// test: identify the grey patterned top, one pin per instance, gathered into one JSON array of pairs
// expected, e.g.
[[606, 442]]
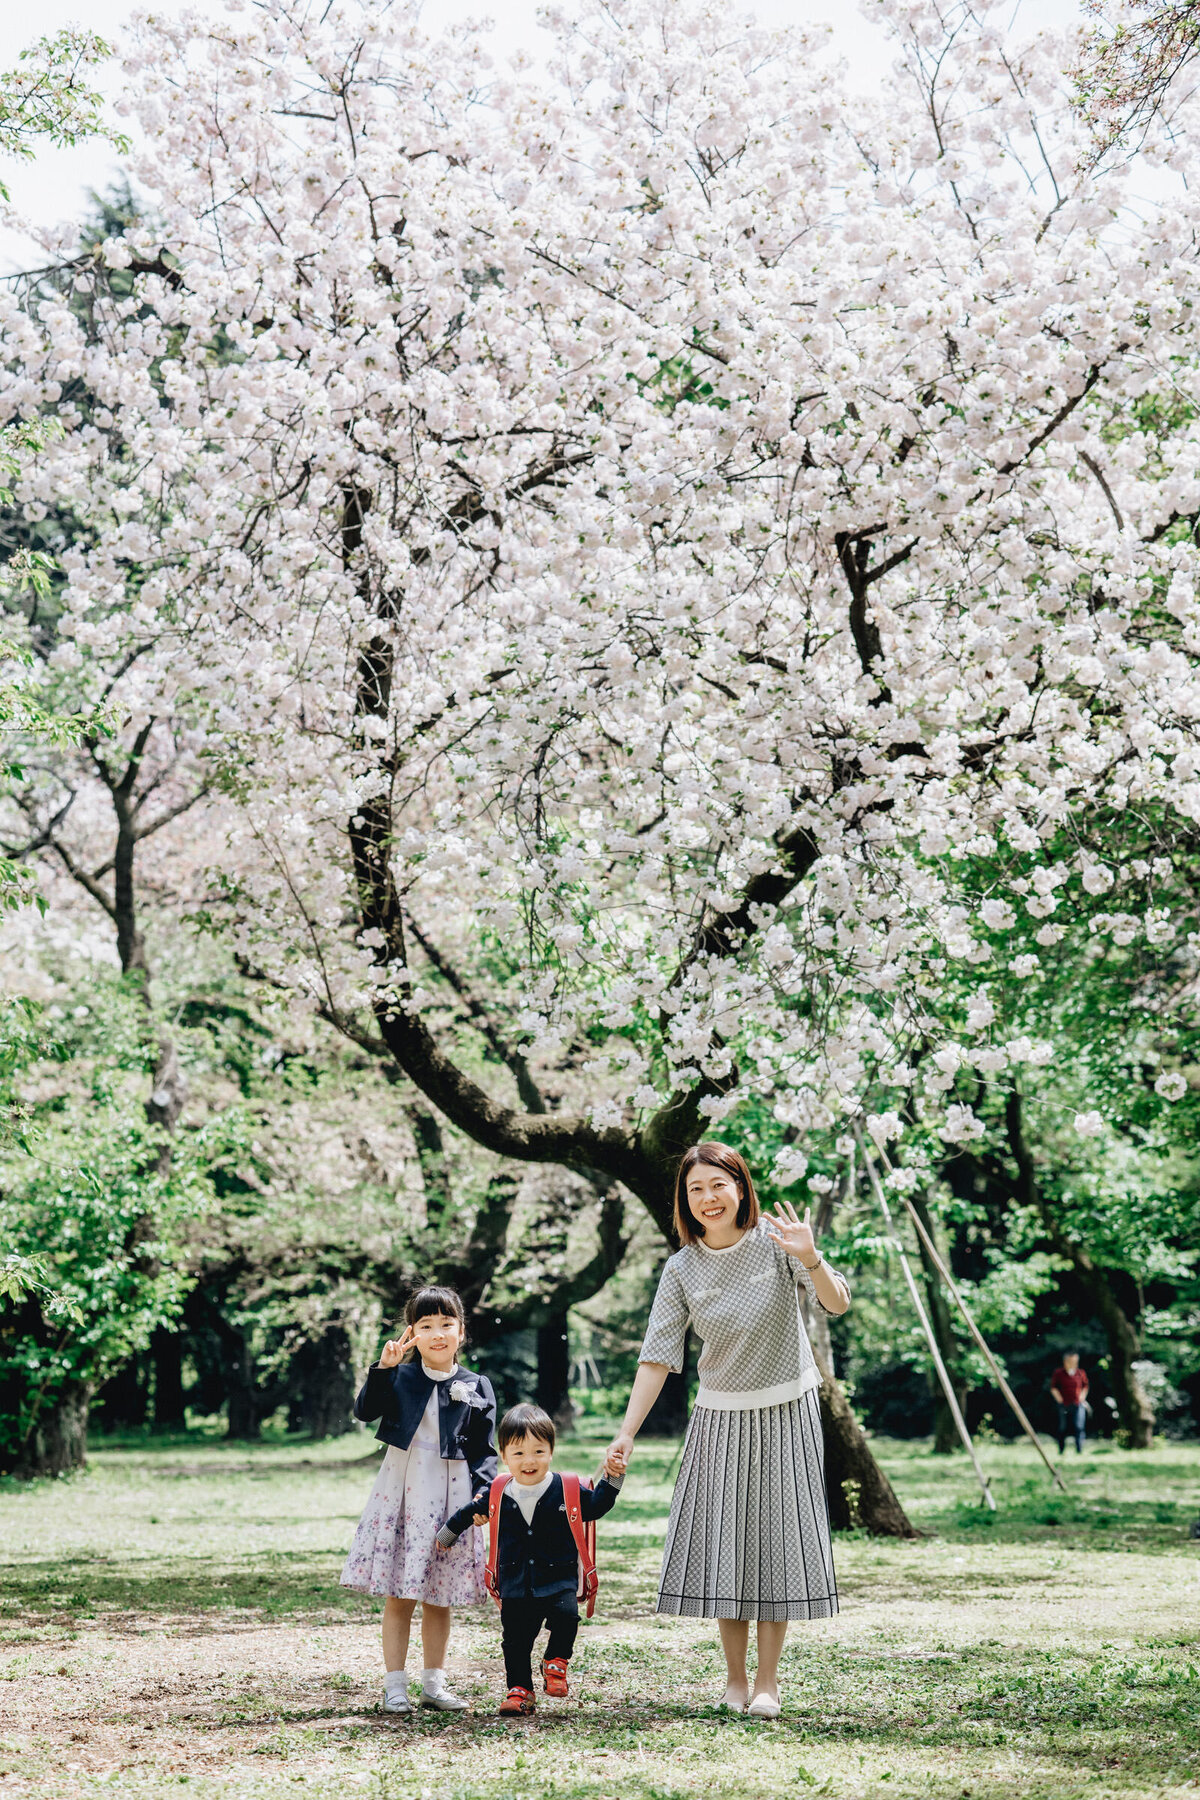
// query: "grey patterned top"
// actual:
[[742, 1304]]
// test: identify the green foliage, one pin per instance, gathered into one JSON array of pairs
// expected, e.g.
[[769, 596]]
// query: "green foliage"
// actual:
[[48, 97], [92, 1220], [28, 1277]]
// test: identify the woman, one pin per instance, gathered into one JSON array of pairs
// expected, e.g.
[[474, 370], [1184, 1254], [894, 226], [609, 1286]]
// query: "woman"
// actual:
[[748, 1536]]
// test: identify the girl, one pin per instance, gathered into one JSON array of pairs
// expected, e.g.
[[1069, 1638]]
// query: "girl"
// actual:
[[438, 1421], [748, 1537]]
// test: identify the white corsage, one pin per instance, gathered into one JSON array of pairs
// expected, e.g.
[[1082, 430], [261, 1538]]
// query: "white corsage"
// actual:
[[468, 1395]]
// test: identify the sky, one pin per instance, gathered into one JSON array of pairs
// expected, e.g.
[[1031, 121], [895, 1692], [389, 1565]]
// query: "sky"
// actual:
[[54, 187]]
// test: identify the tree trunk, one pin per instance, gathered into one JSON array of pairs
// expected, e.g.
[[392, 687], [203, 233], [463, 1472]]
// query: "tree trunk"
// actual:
[[431, 1159], [57, 1442], [124, 1399], [945, 1434], [1124, 1343], [166, 1348], [1124, 1346], [554, 1370], [245, 1405], [859, 1492], [322, 1380]]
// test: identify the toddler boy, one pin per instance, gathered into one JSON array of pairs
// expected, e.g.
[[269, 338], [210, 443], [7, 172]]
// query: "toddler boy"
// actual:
[[537, 1563]]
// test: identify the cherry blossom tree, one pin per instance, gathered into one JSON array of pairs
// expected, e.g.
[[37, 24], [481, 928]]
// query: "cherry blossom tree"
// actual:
[[1136, 58], [629, 532]]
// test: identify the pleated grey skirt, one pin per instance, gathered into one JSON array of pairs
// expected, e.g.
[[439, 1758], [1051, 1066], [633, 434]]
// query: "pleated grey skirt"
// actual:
[[748, 1536]]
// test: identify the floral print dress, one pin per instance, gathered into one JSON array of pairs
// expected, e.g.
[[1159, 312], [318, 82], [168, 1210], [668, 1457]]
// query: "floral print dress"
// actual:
[[393, 1552]]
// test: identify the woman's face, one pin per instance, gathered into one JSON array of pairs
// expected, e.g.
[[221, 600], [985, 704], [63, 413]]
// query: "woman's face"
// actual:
[[438, 1336], [713, 1199]]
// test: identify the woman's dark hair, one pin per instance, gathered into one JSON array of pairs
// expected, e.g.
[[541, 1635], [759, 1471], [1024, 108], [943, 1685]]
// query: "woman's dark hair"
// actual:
[[426, 1303], [525, 1421], [719, 1156]]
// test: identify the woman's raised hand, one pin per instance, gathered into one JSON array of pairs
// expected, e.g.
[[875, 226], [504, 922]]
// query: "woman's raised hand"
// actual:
[[792, 1233], [395, 1349]]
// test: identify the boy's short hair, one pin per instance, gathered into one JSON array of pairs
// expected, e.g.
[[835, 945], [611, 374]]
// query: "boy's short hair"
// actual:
[[525, 1421]]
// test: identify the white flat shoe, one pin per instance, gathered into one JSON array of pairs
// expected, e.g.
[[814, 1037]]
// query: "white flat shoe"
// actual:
[[763, 1707], [732, 1706], [443, 1701], [397, 1703]]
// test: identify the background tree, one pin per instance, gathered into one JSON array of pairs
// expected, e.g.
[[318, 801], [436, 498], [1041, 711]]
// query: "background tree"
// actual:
[[1135, 62], [662, 590]]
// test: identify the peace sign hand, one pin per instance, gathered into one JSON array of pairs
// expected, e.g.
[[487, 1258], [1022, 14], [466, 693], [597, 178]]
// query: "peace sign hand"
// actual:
[[394, 1350], [791, 1233]]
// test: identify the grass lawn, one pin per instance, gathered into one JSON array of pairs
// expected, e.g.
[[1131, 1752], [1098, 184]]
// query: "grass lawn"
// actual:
[[171, 1620]]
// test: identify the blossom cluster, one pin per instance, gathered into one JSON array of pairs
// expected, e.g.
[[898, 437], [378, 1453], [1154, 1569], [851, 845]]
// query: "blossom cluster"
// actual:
[[639, 528]]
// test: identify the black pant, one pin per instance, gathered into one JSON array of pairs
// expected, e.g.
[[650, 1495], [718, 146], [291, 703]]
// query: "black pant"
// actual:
[[1072, 1420], [520, 1622]]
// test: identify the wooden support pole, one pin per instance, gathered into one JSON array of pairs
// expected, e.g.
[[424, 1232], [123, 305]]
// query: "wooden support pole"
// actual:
[[997, 1373], [943, 1373]]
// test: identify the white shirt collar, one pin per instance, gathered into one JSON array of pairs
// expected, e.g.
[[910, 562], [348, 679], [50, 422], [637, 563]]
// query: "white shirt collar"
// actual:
[[528, 1497], [439, 1374]]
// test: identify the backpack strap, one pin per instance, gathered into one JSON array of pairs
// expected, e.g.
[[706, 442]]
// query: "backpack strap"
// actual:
[[585, 1542], [490, 1578]]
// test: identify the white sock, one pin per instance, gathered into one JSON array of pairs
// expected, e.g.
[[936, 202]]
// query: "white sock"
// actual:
[[433, 1680], [395, 1681]]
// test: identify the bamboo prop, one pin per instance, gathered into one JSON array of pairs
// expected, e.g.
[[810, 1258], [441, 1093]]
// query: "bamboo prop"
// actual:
[[997, 1373], [942, 1372]]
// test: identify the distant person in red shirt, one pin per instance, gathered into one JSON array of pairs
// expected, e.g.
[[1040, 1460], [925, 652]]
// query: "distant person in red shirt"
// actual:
[[1068, 1389]]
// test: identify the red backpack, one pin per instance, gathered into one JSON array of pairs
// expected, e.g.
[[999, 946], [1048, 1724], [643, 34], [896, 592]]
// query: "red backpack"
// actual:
[[584, 1535]]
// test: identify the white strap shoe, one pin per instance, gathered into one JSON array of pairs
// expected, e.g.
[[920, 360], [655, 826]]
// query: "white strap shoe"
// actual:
[[763, 1707], [442, 1700], [397, 1701]]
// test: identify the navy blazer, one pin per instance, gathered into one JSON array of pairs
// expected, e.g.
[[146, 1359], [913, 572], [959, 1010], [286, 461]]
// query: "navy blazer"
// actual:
[[539, 1559], [398, 1398]]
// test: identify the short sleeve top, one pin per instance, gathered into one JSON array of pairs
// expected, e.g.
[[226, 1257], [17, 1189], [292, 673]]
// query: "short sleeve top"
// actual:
[[743, 1304]]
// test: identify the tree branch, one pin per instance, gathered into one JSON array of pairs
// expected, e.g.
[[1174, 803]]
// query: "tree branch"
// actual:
[[87, 882], [531, 1095], [1098, 472]]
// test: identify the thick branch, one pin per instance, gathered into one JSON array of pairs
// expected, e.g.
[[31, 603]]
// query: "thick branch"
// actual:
[[538, 1309], [531, 1095], [87, 882]]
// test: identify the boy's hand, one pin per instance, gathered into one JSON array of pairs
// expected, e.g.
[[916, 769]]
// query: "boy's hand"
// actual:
[[613, 1466], [481, 1518]]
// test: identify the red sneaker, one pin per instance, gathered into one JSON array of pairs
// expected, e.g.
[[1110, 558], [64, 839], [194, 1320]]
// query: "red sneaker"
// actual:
[[554, 1673], [518, 1703]]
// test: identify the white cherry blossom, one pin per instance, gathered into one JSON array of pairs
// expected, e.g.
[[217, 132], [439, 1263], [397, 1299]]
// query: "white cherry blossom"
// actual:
[[630, 533]]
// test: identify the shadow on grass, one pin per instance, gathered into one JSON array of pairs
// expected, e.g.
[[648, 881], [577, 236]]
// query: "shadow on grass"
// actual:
[[290, 1583]]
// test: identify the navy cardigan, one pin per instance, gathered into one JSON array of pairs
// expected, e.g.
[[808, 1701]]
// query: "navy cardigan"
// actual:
[[398, 1398], [537, 1560]]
